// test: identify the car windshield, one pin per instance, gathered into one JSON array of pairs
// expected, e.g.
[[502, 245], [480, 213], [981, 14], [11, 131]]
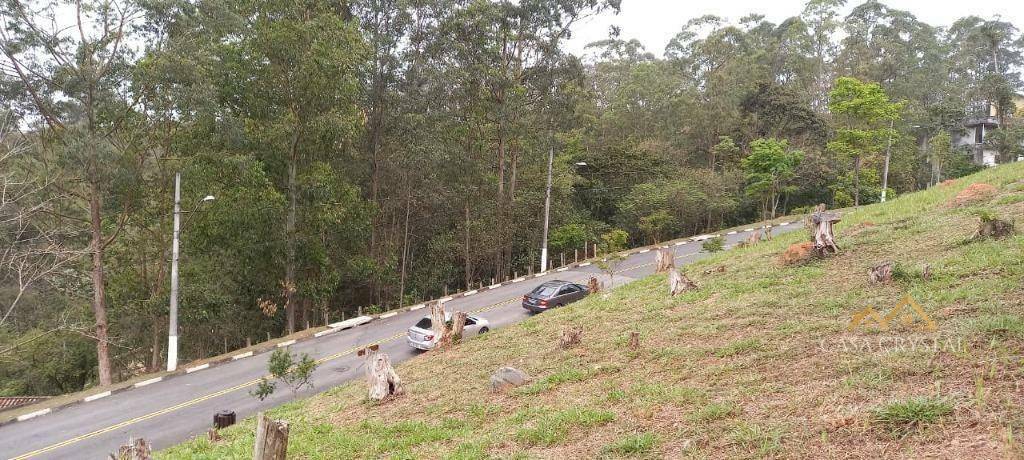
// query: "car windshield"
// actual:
[[424, 323], [545, 291]]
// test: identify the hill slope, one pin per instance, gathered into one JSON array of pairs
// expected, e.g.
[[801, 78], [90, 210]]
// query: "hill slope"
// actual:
[[756, 363]]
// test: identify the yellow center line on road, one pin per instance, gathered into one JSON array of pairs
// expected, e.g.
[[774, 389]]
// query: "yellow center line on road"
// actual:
[[225, 391]]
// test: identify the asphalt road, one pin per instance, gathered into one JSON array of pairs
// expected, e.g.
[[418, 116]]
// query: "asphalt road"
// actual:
[[177, 408]]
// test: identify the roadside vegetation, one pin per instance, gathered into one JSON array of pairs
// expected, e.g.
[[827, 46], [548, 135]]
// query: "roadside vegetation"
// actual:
[[750, 365]]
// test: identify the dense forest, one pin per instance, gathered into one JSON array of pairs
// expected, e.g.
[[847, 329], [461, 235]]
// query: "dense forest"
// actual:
[[367, 154]]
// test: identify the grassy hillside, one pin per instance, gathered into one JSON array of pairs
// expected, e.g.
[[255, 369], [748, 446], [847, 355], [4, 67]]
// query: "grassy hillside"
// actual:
[[752, 364]]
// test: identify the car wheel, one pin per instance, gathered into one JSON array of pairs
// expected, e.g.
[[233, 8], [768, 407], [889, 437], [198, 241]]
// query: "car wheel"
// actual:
[[483, 330]]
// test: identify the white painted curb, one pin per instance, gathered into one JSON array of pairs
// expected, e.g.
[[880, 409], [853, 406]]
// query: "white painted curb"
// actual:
[[29, 415], [197, 368], [351, 322], [469, 293], [643, 251], [444, 299], [731, 233], [96, 396], [242, 355], [584, 264], [148, 382], [323, 333], [562, 269], [388, 315], [417, 307], [518, 280], [286, 343], [494, 286]]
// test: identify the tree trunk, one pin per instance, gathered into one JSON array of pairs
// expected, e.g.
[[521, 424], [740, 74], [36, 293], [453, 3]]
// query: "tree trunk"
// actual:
[[405, 251], [271, 439], [440, 326], [99, 303], [381, 378], [293, 203], [158, 328], [634, 341], [678, 282], [856, 181], [136, 449], [458, 326], [881, 273], [664, 260], [571, 337], [824, 239]]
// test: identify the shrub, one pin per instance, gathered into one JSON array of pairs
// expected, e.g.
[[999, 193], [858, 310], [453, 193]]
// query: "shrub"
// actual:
[[714, 244]]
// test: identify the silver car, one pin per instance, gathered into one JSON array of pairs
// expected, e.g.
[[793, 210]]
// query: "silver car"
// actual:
[[422, 337]]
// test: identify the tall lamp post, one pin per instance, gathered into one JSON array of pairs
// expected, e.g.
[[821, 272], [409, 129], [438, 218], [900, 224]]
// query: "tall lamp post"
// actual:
[[172, 329], [547, 212], [888, 155]]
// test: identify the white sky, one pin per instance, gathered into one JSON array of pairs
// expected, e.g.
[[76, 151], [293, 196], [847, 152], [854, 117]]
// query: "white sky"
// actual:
[[655, 22]]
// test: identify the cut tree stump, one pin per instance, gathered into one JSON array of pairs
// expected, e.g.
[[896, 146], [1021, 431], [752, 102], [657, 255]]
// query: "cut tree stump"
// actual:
[[634, 341], [271, 439], [664, 260], [440, 326], [136, 449], [593, 285], [458, 326], [678, 282], [881, 273], [381, 380], [995, 228], [571, 337], [754, 238], [824, 237]]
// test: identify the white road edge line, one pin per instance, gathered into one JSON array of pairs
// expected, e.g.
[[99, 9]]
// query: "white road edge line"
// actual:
[[242, 355], [96, 396], [286, 343], [197, 368], [148, 382], [33, 414]]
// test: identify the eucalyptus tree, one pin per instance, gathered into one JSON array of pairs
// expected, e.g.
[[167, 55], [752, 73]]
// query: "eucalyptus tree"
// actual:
[[72, 68]]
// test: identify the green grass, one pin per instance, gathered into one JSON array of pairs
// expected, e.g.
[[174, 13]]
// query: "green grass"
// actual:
[[734, 369], [632, 445], [903, 416], [554, 428]]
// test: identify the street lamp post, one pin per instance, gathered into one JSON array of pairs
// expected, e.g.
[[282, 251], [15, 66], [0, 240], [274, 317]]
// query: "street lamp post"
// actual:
[[172, 328], [547, 212], [888, 155]]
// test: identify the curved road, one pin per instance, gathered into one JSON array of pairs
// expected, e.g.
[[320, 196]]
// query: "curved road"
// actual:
[[177, 408]]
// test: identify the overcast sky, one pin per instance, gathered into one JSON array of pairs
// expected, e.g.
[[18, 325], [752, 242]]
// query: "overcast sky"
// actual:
[[655, 22]]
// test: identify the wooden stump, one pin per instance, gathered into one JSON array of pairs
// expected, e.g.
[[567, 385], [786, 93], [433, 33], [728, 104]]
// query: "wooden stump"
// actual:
[[458, 326], [271, 439], [994, 228], [664, 260], [381, 379], [824, 238], [440, 326], [571, 337], [634, 341], [593, 285], [754, 238], [678, 282], [136, 449], [881, 273]]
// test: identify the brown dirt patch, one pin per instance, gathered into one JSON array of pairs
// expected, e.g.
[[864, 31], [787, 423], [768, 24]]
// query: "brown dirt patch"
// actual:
[[973, 194], [797, 253]]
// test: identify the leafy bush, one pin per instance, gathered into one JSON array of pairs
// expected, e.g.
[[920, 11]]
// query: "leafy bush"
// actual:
[[284, 367], [714, 244]]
